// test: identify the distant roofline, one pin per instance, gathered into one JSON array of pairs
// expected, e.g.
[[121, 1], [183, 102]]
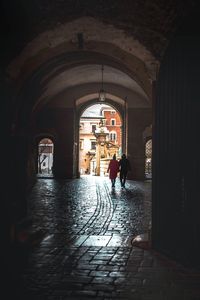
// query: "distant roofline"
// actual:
[[100, 117]]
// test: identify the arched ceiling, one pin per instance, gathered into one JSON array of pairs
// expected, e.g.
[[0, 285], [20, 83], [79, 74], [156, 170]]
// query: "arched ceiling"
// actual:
[[90, 74], [83, 83]]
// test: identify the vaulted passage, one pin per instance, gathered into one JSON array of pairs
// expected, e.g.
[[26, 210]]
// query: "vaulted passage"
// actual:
[[68, 235]]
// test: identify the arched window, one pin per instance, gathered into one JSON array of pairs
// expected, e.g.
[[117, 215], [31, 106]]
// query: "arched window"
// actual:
[[113, 136], [45, 156]]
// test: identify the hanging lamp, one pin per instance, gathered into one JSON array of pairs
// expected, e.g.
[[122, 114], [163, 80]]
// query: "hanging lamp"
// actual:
[[102, 93]]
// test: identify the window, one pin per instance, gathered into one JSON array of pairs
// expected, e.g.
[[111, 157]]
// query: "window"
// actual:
[[113, 122], [93, 145], [94, 127], [81, 126], [113, 136]]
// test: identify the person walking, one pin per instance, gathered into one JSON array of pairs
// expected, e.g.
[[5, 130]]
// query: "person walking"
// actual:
[[124, 167], [113, 169]]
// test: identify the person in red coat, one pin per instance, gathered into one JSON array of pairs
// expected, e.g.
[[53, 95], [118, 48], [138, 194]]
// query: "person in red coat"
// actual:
[[113, 169]]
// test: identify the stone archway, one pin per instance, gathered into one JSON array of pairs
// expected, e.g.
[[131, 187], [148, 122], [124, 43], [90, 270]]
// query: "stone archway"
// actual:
[[49, 85], [51, 93], [96, 37], [109, 147], [56, 51], [36, 92]]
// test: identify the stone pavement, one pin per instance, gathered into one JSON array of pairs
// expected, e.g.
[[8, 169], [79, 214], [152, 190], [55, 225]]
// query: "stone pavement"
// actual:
[[86, 249]]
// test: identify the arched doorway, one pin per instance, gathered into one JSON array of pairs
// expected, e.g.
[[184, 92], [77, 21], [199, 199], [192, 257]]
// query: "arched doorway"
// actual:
[[45, 156], [100, 137]]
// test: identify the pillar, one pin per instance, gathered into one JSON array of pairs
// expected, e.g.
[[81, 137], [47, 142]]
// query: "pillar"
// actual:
[[138, 120]]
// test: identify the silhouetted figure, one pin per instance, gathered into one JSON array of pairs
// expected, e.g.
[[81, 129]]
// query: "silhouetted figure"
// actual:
[[113, 169], [124, 167]]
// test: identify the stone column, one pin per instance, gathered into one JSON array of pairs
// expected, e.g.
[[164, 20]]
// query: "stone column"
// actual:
[[61, 122], [98, 156], [138, 120], [64, 147]]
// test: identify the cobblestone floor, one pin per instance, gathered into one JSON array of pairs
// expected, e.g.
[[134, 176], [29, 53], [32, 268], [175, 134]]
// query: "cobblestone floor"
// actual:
[[86, 251]]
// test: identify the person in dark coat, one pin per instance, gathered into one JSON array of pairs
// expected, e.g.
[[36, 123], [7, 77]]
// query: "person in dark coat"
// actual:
[[113, 169], [124, 167]]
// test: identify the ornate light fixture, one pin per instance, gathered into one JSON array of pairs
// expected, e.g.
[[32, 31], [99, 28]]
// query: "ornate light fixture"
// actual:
[[102, 93]]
